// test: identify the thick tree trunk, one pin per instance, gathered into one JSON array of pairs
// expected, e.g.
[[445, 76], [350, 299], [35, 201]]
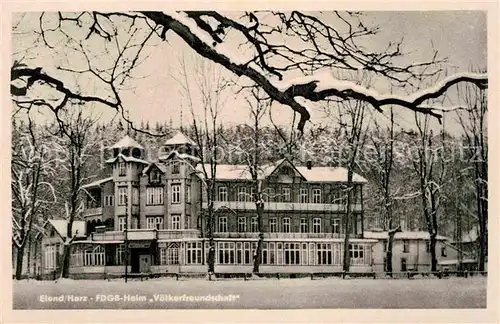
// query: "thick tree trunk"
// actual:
[[65, 261], [19, 262], [258, 254], [389, 252], [347, 259], [433, 252], [211, 242]]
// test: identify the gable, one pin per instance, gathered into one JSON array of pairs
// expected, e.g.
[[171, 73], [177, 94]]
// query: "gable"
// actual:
[[286, 172]]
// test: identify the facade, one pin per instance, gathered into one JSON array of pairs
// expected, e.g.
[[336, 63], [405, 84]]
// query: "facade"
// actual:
[[410, 251], [157, 207], [156, 210]]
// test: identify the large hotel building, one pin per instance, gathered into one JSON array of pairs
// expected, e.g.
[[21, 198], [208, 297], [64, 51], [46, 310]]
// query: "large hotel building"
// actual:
[[162, 204]]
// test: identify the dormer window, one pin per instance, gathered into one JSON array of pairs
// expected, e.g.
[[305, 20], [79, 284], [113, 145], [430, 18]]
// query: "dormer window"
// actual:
[[176, 167], [154, 176], [122, 168]]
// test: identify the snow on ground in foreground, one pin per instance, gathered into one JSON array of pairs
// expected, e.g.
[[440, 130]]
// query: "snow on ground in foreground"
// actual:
[[263, 294]]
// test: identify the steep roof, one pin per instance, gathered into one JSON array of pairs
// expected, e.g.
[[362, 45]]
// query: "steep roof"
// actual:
[[315, 174], [126, 159], [127, 141], [328, 174], [97, 183], [405, 235], [179, 139], [61, 226]]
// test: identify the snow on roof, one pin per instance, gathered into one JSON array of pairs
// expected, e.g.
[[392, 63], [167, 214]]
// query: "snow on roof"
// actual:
[[405, 235], [126, 159], [179, 139], [455, 261], [61, 226], [182, 156], [127, 141], [328, 174], [160, 166], [315, 174], [97, 183]]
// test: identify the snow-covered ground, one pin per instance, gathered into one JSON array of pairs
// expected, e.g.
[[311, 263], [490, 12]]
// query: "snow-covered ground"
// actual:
[[260, 294]]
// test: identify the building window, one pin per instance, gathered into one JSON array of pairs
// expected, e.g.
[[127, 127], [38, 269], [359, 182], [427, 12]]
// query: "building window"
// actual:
[[428, 246], [176, 222], [122, 168], [356, 253], [176, 169], [316, 225], [170, 255], [268, 253], [187, 223], [286, 194], [121, 223], [242, 224], [403, 265], [154, 196], [251, 196], [188, 194], [226, 252], [286, 225], [135, 196], [122, 196], [273, 225], [316, 196], [154, 176], [120, 254], [443, 251], [324, 253], [50, 257], [292, 253], [222, 224], [336, 226], [406, 246], [155, 222], [176, 194], [243, 253], [242, 194], [254, 224], [94, 257], [303, 195], [222, 193], [304, 226], [108, 200], [193, 253]]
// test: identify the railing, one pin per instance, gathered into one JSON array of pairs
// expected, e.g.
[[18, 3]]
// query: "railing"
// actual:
[[92, 212], [141, 234], [236, 235], [283, 235], [108, 236], [247, 205], [177, 234]]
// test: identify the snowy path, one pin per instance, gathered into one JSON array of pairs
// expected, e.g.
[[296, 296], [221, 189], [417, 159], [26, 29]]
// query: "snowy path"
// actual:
[[261, 294]]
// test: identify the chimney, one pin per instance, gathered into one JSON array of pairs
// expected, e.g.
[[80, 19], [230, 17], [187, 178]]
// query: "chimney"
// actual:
[[309, 165]]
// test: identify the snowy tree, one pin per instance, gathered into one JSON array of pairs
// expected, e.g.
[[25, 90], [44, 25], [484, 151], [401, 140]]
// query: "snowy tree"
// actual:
[[74, 147], [32, 193], [474, 123], [209, 83]]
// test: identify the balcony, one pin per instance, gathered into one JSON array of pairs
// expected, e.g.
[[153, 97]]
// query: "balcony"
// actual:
[[250, 235], [275, 206], [110, 236], [89, 212], [141, 234], [178, 234]]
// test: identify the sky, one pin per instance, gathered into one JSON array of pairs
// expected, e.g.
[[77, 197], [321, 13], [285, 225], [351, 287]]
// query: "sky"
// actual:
[[460, 36]]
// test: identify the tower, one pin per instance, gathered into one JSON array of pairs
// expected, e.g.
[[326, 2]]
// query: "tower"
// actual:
[[127, 163], [180, 160]]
